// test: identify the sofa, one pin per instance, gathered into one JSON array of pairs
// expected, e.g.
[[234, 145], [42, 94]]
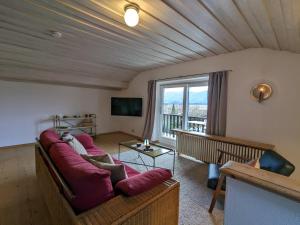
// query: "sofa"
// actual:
[[77, 192]]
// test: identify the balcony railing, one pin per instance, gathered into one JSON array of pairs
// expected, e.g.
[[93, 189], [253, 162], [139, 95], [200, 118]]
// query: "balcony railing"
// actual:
[[175, 121]]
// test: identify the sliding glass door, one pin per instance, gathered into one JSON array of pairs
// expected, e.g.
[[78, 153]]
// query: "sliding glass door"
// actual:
[[197, 108], [182, 106], [172, 109]]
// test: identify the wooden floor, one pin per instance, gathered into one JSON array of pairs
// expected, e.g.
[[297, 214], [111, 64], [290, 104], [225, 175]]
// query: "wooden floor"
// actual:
[[21, 202], [109, 142]]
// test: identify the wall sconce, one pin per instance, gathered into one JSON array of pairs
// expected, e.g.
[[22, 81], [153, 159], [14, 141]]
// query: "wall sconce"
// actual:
[[261, 92]]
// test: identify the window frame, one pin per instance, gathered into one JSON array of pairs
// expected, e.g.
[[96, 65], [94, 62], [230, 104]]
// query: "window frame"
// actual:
[[176, 83]]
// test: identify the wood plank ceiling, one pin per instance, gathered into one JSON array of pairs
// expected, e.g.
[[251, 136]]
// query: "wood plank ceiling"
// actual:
[[98, 50]]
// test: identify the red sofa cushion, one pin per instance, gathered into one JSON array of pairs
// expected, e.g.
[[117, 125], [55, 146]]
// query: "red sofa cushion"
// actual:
[[86, 140], [49, 137], [95, 151], [129, 170], [143, 182], [92, 149], [90, 185]]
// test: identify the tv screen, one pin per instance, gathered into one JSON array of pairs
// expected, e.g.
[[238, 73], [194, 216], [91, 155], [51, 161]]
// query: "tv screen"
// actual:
[[126, 106]]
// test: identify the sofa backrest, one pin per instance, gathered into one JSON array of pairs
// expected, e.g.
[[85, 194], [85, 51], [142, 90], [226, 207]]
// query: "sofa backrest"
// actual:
[[90, 185], [49, 137], [86, 140]]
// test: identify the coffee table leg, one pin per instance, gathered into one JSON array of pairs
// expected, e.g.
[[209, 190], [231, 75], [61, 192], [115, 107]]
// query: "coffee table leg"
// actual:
[[153, 162], [139, 156]]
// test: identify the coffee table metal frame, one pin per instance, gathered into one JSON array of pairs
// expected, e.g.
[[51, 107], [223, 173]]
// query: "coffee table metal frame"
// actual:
[[162, 150]]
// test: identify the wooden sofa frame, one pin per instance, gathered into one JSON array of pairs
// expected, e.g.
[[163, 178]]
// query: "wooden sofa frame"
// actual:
[[158, 206]]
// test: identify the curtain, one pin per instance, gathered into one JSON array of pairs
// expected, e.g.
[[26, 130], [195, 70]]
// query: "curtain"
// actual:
[[217, 103], [149, 123]]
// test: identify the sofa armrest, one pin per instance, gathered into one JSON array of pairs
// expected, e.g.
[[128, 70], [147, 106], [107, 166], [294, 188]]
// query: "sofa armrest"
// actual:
[[143, 208], [143, 182]]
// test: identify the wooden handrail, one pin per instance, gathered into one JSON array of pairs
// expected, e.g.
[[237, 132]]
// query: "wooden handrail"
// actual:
[[230, 140], [222, 152], [273, 182]]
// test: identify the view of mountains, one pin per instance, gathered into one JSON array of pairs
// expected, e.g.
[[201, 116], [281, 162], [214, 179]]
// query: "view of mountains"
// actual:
[[196, 98]]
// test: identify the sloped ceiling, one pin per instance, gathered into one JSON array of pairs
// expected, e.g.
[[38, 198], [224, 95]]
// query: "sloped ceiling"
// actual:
[[98, 50]]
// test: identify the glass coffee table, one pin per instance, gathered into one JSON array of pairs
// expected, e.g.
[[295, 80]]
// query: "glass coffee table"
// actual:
[[154, 151]]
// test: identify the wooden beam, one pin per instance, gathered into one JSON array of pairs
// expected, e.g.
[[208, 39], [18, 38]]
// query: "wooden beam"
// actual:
[[34, 76], [162, 12], [257, 17], [196, 13], [228, 15]]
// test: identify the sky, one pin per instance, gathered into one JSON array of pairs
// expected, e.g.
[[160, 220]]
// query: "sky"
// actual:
[[197, 95]]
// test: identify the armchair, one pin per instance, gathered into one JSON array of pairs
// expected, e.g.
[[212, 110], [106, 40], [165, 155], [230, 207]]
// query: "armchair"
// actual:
[[213, 169], [270, 161]]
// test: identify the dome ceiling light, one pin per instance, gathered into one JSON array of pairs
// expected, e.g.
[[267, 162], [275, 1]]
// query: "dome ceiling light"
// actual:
[[131, 15]]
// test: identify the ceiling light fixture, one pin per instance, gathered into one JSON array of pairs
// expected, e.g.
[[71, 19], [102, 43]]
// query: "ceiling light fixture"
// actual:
[[131, 15]]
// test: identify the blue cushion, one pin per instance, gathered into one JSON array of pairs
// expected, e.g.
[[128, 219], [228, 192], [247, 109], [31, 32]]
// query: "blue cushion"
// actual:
[[213, 176], [271, 161]]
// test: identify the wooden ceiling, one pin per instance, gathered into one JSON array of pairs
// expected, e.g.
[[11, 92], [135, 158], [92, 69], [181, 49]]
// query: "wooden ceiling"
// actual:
[[98, 50]]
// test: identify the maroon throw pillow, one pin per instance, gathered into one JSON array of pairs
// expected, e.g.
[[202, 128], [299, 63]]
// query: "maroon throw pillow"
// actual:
[[143, 182], [86, 140]]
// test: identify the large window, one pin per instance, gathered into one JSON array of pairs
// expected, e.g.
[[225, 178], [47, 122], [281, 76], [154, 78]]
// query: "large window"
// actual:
[[182, 106]]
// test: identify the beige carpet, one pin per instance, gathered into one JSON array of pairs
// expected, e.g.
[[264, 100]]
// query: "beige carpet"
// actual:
[[195, 197]]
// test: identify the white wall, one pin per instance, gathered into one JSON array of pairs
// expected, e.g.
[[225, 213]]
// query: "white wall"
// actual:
[[25, 109], [24, 106], [275, 121]]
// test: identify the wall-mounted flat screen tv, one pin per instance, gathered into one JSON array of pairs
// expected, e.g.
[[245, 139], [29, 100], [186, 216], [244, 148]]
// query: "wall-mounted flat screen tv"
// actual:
[[126, 106]]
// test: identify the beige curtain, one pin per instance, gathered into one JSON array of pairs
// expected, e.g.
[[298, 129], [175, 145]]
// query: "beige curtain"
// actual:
[[217, 103], [149, 123]]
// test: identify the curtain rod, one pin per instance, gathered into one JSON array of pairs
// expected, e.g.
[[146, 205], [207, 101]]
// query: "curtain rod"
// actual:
[[189, 76]]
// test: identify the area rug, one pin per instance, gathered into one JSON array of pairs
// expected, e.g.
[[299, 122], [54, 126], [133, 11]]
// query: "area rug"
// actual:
[[195, 197]]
